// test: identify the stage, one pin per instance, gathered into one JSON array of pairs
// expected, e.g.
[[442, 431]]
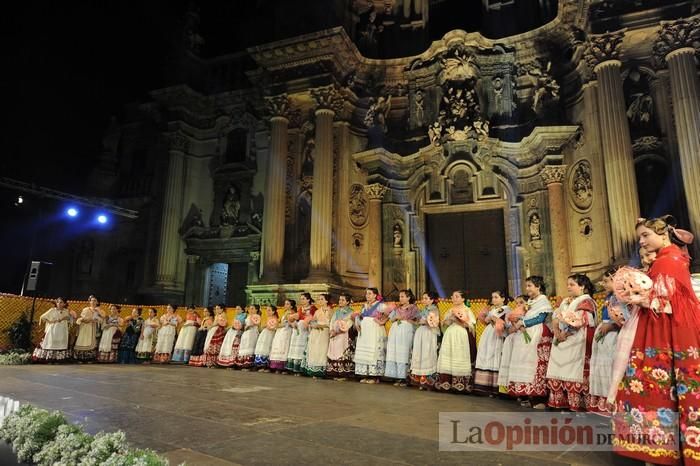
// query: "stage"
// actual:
[[223, 417]]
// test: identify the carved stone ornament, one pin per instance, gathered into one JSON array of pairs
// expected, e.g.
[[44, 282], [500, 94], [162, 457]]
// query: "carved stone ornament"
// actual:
[[327, 97], [254, 256], [178, 142], [358, 205], [585, 227], [674, 35], [278, 106], [357, 240], [553, 174], [534, 225], [646, 145], [375, 191], [581, 185], [604, 47]]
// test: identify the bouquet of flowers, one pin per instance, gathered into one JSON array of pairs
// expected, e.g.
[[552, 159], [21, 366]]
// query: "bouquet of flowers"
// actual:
[[570, 321], [343, 326], [499, 327], [237, 325], [433, 320], [632, 286], [272, 323], [618, 312], [255, 319]]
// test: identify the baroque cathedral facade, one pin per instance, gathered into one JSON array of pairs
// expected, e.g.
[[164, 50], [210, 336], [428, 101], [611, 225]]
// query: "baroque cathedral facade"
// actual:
[[304, 165]]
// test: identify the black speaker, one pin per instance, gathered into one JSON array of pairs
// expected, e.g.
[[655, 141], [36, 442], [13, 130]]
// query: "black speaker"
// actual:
[[39, 276]]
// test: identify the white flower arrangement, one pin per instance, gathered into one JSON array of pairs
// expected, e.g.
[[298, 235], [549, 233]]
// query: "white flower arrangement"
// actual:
[[14, 358], [46, 439]]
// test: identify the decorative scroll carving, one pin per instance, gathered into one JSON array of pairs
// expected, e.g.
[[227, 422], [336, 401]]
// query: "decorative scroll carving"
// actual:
[[581, 185], [553, 174], [604, 47], [177, 142], [375, 191], [674, 35]]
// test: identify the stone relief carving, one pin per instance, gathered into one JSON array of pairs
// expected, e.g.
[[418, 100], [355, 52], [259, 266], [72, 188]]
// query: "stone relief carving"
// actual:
[[419, 108], [193, 224], [328, 97], [358, 205], [375, 191], [640, 110], [231, 209], [278, 106], [581, 185], [178, 142], [397, 235], [546, 91], [553, 174], [646, 144], [357, 240], [534, 223]]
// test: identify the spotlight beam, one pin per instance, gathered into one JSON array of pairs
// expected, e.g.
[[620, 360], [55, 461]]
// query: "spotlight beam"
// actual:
[[43, 191]]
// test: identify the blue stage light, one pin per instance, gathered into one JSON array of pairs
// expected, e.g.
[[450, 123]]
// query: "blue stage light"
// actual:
[[102, 218], [72, 212]]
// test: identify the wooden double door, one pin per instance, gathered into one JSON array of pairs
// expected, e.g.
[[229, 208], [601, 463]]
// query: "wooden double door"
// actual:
[[466, 251]]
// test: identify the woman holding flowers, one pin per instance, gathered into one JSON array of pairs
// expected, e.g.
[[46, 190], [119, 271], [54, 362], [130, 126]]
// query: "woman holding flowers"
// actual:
[[144, 348], [573, 325], [185, 340], [319, 335], [197, 355], [657, 408], [370, 351], [251, 331], [455, 364], [232, 340], [425, 343], [527, 369], [400, 339], [264, 343], [54, 345], [488, 354], [341, 347], [300, 335], [283, 336], [166, 335], [85, 348], [111, 336]]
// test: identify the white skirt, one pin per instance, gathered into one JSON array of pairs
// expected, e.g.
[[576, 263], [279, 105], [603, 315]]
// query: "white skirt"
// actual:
[[280, 344], [317, 352], [602, 355], [400, 342], [145, 344], [425, 351], [248, 341], [56, 337], [264, 343], [226, 350], [506, 353], [106, 340], [371, 343], [185, 339], [488, 354], [297, 344], [455, 354], [523, 361], [166, 339], [566, 359], [86, 340]]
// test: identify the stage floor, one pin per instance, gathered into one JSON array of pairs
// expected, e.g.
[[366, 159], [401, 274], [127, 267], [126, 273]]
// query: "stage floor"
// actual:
[[223, 417]]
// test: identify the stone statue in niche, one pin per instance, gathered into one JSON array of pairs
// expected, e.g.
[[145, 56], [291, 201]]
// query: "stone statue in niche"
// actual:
[[640, 111], [582, 185], [358, 205], [547, 90], [369, 32], [585, 227], [378, 112], [398, 236], [231, 209], [534, 222], [357, 240], [419, 102], [193, 225], [307, 161]]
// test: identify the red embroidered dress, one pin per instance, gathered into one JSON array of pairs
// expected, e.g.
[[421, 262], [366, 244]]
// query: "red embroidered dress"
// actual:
[[659, 396]]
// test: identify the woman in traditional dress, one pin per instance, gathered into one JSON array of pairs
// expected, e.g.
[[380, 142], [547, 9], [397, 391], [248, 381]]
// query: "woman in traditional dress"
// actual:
[[400, 340], [458, 349], [341, 345], [215, 337], [488, 354], [111, 336], [232, 340], [283, 336], [424, 355], [264, 343], [319, 336], [246, 353], [207, 321], [573, 325], [527, 371], [185, 340], [144, 348], [166, 335], [657, 406], [370, 351], [300, 335], [603, 350], [85, 348], [512, 333], [130, 338], [54, 345]]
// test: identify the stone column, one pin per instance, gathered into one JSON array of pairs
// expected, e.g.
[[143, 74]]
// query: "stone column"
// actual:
[[675, 46], [375, 192], [273, 214], [602, 55], [327, 103], [166, 266], [553, 177]]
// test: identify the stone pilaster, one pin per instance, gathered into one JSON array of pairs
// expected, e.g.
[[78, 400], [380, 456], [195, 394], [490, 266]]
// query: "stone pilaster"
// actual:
[[273, 221], [327, 101], [553, 177], [375, 192], [603, 55], [675, 45], [168, 248]]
